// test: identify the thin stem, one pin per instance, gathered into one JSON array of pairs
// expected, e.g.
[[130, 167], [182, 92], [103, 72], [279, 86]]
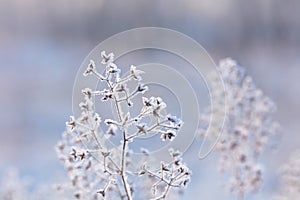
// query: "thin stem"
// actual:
[[164, 195], [128, 96], [158, 177], [93, 134], [147, 131], [123, 163], [123, 80], [98, 75], [118, 109], [111, 160]]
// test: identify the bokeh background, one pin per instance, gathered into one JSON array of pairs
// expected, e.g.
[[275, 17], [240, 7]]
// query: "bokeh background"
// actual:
[[42, 44]]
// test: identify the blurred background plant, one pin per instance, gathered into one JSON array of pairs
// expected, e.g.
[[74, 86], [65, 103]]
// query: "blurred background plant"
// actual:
[[289, 178], [44, 42], [248, 127]]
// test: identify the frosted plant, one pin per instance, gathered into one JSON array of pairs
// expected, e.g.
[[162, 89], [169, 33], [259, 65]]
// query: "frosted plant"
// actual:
[[12, 187], [100, 171], [247, 127], [15, 187], [290, 179]]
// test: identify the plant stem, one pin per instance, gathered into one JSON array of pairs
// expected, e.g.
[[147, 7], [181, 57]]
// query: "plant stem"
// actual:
[[123, 166], [123, 162]]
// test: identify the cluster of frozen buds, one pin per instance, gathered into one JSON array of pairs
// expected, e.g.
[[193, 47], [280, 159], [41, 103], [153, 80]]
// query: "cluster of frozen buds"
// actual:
[[83, 170], [171, 174], [101, 172], [247, 127]]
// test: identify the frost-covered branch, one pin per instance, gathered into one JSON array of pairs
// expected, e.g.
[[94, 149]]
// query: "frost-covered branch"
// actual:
[[105, 172]]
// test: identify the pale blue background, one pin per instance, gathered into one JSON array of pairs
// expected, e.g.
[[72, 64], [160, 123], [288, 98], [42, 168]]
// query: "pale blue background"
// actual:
[[42, 44]]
